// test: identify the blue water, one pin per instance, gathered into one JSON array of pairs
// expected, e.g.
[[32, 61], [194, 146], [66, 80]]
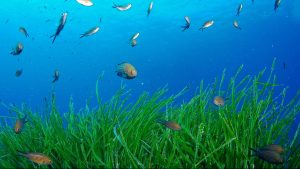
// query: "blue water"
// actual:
[[164, 54]]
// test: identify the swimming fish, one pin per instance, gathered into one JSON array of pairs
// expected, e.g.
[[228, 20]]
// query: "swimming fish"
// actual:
[[85, 2], [126, 70], [19, 125], [276, 5], [90, 32], [150, 8], [55, 76], [122, 7], [18, 49], [37, 158], [19, 72], [62, 22], [187, 24], [170, 124], [236, 24], [284, 65], [23, 30], [133, 43], [239, 10], [207, 24], [273, 147], [219, 101], [135, 36], [268, 156]]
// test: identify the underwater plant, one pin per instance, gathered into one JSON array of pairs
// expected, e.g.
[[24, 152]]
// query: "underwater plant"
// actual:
[[118, 134]]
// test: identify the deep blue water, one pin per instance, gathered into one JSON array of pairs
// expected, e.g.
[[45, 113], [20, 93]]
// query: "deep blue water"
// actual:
[[164, 54]]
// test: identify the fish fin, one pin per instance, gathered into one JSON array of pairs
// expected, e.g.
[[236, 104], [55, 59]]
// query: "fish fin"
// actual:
[[82, 35], [54, 39], [114, 5], [254, 150], [161, 121]]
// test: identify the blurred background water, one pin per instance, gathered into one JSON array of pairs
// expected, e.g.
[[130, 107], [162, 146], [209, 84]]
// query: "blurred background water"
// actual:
[[164, 54]]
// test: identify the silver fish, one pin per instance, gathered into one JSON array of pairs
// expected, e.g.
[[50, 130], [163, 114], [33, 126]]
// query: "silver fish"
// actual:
[[90, 32], [62, 22], [122, 7]]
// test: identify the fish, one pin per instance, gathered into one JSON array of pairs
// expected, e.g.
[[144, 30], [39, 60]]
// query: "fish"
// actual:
[[219, 101], [239, 10], [268, 156], [19, 125], [236, 24], [55, 76], [37, 158], [18, 49], [90, 32], [187, 24], [19, 72], [273, 147], [284, 65], [133, 43], [122, 7], [62, 22], [126, 70], [207, 24], [85, 2], [170, 124], [135, 36], [276, 5], [23, 30], [150, 8]]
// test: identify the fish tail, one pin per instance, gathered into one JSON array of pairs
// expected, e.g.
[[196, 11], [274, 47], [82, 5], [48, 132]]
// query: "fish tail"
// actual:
[[53, 39], [82, 35], [160, 121], [20, 153], [114, 5], [254, 150]]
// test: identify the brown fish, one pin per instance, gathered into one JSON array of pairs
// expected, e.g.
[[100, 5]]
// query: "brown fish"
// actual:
[[170, 124], [219, 101], [55, 76], [19, 72], [23, 30], [126, 70], [37, 158], [207, 24], [18, 49], [20, 125], [273, 147], [268, 156]]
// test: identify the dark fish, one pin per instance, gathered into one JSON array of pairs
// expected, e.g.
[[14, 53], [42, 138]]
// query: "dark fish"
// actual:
[[170, 124], [272, 147], [56, 76], [37, 158], [19, 125], [268, 156], [187, 24], [100, 20], [62, 22], [126, 70], [23, 30], [18, 49], [19, 72], [276, 5], [239, 10], [284, 65]]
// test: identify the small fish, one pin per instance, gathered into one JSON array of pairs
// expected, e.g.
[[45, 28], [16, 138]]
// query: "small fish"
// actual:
[[236, 24], [187, 24], [90, 32], [55, 76], [18, 49], [207, 24], [133, 43], [272, 147], [37, 158], [170, 124], [85, 2], [19, 72], [284, 65], [122, 7], [135, 36], [62, 22], [219, 101], [150, 8], [268, 156], [23, 30], [100, 20], [19, 125], [276, 5], [239, 10], [126, 70]]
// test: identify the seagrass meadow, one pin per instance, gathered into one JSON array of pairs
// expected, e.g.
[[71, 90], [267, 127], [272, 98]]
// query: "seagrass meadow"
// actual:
[[122, 134]]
